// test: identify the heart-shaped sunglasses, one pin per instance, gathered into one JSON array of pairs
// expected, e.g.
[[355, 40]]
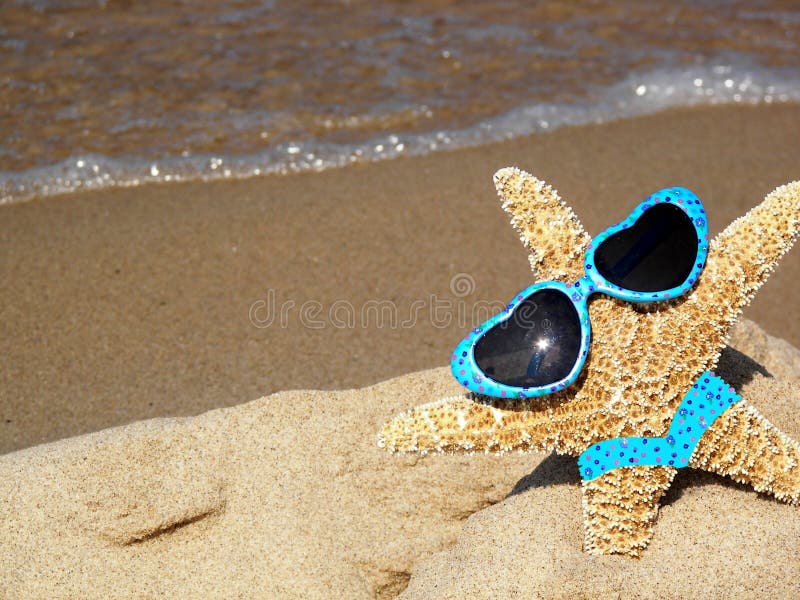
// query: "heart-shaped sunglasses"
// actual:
[[539, 343]]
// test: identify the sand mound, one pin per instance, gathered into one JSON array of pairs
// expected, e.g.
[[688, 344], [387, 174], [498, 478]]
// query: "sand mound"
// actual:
[[287, 496], [714, 539]]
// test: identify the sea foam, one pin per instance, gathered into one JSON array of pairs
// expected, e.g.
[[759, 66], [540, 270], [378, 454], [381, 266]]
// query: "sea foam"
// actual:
[[638, 95]]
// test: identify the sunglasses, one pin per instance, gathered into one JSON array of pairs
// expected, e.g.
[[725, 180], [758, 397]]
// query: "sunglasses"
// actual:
[[539, 343]]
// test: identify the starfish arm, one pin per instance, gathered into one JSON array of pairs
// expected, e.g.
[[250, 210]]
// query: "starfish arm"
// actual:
[[745, 446], [549, 230], [741, 258], [464, 424], [620, 507]]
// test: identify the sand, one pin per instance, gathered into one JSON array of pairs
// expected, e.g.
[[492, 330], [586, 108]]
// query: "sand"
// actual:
[[288, 496], [135, 303]]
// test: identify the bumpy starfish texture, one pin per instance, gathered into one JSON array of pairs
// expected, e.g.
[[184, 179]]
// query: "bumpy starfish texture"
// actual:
[[643, 359]]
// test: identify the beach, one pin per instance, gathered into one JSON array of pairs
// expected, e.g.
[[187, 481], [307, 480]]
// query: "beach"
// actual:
[[240, 241], [172, 299], [288, 496]]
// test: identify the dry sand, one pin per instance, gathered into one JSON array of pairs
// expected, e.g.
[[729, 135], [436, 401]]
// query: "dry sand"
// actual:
[[134, 303], [288, 496]]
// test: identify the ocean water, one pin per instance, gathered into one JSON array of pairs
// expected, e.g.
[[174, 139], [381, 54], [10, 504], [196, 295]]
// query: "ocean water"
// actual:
[[98, 93]]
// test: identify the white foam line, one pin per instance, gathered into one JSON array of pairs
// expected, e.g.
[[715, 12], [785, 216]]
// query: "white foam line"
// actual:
[[644, 94]]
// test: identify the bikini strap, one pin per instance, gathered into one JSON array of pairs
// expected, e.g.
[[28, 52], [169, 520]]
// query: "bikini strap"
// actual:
[[708, 398]]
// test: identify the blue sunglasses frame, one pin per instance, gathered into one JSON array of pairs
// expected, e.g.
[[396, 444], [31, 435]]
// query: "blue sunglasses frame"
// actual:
[[466, 370]]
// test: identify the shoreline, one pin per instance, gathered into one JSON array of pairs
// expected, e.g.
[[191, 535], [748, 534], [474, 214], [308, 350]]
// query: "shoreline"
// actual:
[[132, 303]]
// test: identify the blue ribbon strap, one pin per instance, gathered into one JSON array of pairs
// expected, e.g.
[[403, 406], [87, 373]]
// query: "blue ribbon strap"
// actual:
[[708, 398]]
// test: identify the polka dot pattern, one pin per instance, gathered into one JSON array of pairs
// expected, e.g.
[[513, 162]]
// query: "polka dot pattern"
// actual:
[[462, 361], [708, 398]]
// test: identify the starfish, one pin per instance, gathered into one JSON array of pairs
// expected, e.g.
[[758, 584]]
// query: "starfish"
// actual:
[[643, 359]]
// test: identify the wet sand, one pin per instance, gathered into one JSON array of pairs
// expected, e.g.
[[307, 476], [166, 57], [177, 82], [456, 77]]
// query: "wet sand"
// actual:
[[133, 303]]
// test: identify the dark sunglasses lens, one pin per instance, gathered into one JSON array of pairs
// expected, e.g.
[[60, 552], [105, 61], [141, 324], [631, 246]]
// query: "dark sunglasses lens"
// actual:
[[536, 346], [656, 254]]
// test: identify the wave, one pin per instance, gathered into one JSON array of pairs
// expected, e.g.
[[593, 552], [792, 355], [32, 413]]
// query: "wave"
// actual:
[[640, 95]]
